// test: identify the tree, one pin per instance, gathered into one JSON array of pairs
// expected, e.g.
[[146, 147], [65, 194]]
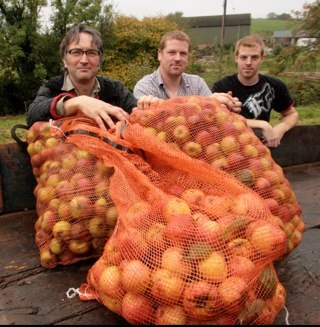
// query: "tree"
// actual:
[[272, 15], [311, 23], [19, 58], [134, 54]]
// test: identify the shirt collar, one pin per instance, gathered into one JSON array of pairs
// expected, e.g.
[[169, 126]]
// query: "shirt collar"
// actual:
[[161, 83], [68, 86]]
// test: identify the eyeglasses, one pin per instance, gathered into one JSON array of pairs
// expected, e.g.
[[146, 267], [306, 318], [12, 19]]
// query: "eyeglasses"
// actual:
[[77, 53]]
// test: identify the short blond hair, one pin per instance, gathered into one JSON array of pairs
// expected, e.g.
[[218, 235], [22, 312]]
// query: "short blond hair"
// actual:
[[250, 41], [174, 35]]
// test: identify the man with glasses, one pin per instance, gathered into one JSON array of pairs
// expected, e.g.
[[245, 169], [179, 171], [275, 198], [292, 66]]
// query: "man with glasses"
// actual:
[[80, 90]]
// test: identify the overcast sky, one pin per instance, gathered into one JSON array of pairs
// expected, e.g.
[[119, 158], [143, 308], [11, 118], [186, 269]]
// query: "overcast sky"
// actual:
[[258, 9]]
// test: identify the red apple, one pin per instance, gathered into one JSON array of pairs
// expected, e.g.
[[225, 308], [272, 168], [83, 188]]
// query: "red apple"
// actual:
[[80, 206], [135, 276], [272, 176], [137, 309], [163, 136], [175, 206], [216, 205], [46, 193], [236, 160], [51, 142], [221, 116], [131, 240], [209, 231], [179, 229], [250, 151], [181, 133], [47, 258], [166, 285], [69, 161], [57, 246], [201, 300], [170, 315], [192, 195], [242, 267], [53, 180], [138, 214], [79, 231], [109, 281], [220, 163], [214, 268], [268, 238], [212, 152], [65, 190], [64, 212], [193, 149], [48, 220], [233, 292], [61, 229], [111, 216], [247, 204], [98, 227], [101, 206], [155, 236], [173, 260], [241, 247], [204, 138], [112, 251], [229, 144]]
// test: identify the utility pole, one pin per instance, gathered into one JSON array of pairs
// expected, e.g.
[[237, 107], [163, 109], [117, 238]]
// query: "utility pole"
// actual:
[[223, 22], [222, 37]]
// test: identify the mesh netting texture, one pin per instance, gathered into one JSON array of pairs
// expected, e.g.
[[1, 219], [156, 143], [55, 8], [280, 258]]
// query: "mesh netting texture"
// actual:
[[183, 206]]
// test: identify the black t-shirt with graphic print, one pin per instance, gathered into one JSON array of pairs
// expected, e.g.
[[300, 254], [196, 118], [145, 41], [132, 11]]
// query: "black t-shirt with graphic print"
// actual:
[[257, 100]]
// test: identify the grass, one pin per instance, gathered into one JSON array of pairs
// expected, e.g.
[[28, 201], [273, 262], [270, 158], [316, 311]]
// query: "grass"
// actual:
[[7, 123], [308, 115]]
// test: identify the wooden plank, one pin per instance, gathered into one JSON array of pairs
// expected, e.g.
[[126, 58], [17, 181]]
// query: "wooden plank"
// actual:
[[31, 294], [17, 179], [300, 145]]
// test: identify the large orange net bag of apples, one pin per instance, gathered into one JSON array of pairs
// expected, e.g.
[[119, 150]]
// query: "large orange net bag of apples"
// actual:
[[204, 130], [193, 244], [76, 214]]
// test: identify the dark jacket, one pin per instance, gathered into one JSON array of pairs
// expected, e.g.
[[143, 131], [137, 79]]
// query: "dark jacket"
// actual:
[[111, 91]]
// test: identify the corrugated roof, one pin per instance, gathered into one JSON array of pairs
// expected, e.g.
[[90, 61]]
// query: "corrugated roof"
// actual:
[[289, 34], [216, 21]]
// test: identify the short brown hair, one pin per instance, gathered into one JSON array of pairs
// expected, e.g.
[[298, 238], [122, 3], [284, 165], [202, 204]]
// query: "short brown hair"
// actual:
[[73, 35], [174, 35], [250, 41]]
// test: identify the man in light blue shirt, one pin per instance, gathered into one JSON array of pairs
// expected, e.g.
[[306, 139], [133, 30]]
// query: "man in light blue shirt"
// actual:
[[169, 80]]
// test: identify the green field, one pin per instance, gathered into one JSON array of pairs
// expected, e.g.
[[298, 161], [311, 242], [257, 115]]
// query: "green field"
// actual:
[[270, 25]]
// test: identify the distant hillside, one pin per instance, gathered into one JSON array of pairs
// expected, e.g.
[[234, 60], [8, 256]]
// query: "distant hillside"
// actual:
[[266, 27]]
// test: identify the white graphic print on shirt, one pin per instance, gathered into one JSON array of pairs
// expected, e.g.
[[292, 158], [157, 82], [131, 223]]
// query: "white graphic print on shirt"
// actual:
[[261, 101]]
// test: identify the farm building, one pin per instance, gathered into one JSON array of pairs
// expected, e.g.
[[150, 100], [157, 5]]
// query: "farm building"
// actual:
[[289, 37], [206, 30]]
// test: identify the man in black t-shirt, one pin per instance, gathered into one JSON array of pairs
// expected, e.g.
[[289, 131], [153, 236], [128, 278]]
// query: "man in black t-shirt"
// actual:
[[259, 93]]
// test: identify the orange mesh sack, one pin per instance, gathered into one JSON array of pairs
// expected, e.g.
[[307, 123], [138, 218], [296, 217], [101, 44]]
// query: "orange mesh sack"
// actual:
[[75, 212], [201, 128], [182, 252]]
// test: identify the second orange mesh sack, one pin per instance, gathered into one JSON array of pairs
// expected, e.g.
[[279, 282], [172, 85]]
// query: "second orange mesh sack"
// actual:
[[192, 244], [76, 214], [204, 130]]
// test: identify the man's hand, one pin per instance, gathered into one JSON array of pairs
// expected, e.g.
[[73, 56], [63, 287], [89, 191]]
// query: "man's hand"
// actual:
[[100, 111], [227, 100], [145, 101]]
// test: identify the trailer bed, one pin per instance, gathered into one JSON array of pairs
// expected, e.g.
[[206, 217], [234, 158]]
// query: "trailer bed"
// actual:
[[31, 294]]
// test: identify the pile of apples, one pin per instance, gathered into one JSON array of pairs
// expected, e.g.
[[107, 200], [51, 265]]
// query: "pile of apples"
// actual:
[[177, 261], [76, 214], [204, 130]]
